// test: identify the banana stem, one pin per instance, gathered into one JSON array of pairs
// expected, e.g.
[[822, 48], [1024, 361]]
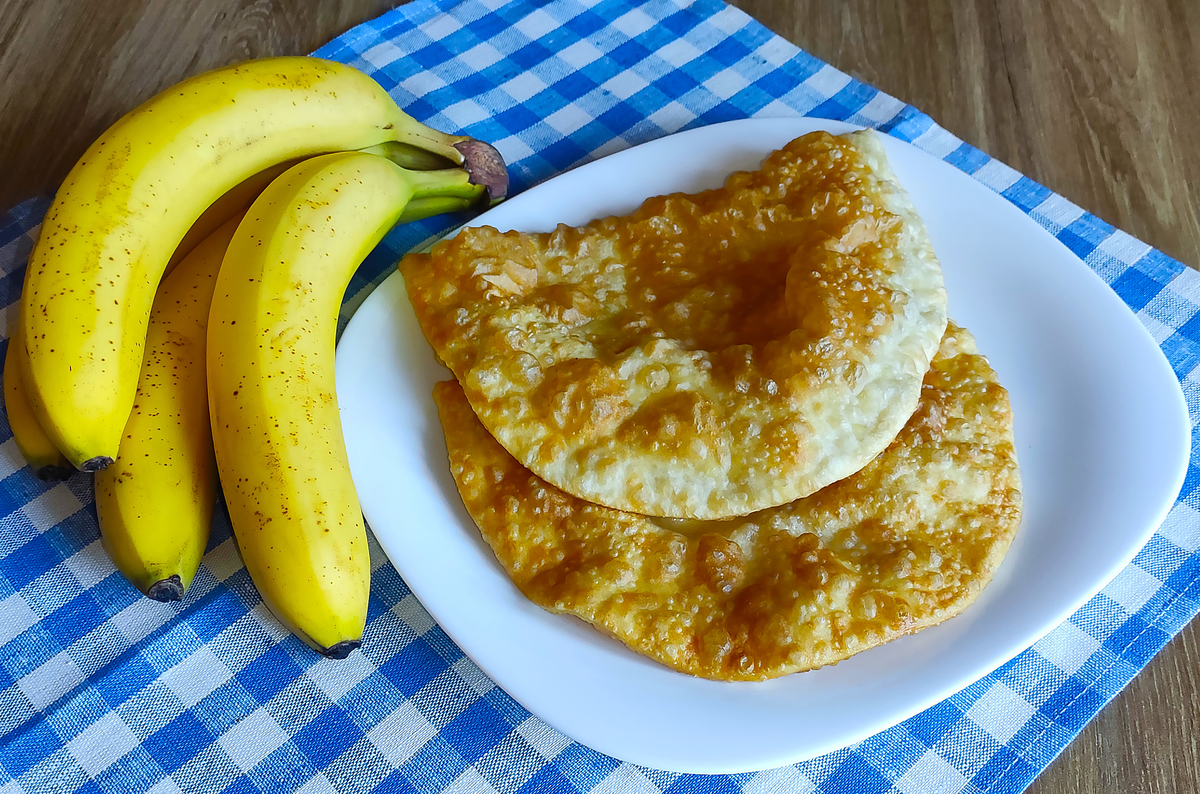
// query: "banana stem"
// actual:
[[449, 182], [483, 164], [420, 208], [433, 142], [411, 157]]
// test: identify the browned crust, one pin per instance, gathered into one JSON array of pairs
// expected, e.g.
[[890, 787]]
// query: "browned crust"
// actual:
[[906, 543], [709, 354]]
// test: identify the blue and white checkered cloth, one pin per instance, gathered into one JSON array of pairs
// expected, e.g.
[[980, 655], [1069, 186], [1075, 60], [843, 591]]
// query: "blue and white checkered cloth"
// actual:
[[106, 691]]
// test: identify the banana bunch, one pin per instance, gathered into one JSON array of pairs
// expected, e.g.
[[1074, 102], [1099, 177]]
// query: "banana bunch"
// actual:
[[224, 367]]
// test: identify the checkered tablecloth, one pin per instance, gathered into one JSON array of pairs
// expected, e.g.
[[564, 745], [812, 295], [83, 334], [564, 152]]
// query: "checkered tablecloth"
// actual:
[[106, 691]]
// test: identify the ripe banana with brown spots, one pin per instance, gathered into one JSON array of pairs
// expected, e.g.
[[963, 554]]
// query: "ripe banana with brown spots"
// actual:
[[34, 445], [125, 207], [275, 422], [155, 502]]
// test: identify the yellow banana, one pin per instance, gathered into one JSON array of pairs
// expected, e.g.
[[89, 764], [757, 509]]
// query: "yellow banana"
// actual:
[[155, 501], [233, 204], [35, 446], [47, 462], [274, 413], [126, 205]]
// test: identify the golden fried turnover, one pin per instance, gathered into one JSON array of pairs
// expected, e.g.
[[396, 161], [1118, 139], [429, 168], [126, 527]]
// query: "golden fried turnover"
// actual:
[[710, 354], [907, 542]]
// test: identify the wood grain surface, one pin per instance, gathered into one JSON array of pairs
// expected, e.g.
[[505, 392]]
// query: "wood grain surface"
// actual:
[[1094, 98]]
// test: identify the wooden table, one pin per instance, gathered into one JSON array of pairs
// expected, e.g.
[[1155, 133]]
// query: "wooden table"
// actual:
[[1095, 99]]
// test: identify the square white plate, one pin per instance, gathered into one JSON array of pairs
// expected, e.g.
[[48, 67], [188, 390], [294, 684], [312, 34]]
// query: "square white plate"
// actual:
[[1102, 436]]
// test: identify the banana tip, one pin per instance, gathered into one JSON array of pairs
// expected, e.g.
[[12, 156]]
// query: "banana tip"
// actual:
[[486, 167], [169, 589], [340, 650], [98, 463]]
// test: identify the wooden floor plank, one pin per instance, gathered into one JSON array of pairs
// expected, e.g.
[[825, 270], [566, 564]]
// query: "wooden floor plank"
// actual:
[[72, 67]]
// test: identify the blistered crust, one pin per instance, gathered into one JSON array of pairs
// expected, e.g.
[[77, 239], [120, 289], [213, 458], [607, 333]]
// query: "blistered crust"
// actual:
[[707, 355], [907, 542]]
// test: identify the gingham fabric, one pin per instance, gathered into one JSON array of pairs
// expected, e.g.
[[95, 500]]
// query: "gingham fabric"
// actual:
[[106, 691]]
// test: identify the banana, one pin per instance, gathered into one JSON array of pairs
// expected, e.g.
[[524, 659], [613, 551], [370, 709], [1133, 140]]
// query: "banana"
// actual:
[[35, 446], [233, 204], [39, 451], [274, 413], [155, 501], [126, 205]]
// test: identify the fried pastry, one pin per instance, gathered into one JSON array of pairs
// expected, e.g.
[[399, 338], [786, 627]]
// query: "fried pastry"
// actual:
[[710, 354], [905, 543]]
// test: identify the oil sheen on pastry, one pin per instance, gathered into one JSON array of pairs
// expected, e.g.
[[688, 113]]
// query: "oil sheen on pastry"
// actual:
[[905, 543], [710, 354]]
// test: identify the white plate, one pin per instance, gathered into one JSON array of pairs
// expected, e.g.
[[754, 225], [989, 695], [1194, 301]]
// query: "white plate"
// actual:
[[1102, 437]]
